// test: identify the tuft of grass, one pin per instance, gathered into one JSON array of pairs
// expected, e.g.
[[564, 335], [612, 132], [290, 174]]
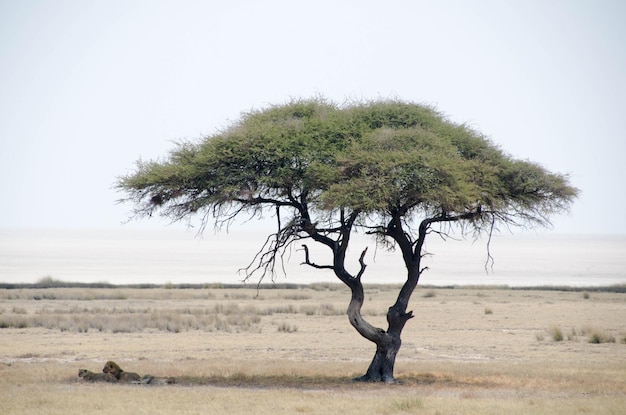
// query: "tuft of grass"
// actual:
[[556, 333], [287, 328], [597, 336], [488, 311]]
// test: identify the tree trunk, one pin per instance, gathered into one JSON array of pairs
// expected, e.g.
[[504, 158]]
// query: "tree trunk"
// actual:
[[382, 366], [387, 342]]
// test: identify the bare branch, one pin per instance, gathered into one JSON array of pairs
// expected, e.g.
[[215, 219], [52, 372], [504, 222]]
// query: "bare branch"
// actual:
[[489, 257], [308, 262], [363, 265], [274, 247]]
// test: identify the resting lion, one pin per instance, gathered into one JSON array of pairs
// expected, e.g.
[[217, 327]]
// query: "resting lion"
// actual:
[[90, 376], [113, 368], [153, 380]]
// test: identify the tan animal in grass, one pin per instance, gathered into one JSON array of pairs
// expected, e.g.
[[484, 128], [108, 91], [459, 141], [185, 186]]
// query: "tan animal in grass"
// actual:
[[113, 368], [90, 376], [154, 380]]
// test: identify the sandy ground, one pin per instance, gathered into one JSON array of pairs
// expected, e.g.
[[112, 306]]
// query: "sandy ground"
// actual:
[[494, 346]]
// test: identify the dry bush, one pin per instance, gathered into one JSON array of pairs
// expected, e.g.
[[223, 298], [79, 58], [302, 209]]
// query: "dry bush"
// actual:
[[592, 334], [556, 333], [287, 328], [596, 335], [221, 317]]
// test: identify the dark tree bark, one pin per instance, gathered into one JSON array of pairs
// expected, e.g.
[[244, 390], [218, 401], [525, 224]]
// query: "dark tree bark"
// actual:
[[388, 342]]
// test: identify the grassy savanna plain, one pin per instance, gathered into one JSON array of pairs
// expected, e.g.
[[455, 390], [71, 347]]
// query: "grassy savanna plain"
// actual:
[[471, 350]]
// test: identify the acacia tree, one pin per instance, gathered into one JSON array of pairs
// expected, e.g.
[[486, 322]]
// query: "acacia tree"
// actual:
[[395, 170]]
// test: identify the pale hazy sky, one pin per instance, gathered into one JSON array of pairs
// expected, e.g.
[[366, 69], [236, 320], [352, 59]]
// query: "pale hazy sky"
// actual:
[[88, 87]]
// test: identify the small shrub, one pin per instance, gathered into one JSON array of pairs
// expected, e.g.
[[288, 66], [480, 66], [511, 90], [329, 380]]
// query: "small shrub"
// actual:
[[598, 337], [287, 328], [488, 311], [50, 282], [21, 324], [429, 294], [556, 333], [586, 295]]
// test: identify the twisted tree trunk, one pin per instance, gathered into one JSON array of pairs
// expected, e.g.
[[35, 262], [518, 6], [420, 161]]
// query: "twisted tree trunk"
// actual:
[[387, 342]]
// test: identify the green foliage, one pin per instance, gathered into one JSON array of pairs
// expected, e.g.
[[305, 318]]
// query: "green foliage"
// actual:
[[325, 170], [371, 157]]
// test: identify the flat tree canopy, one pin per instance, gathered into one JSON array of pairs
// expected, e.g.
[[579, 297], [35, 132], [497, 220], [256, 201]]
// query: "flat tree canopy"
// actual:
[[391, 168]]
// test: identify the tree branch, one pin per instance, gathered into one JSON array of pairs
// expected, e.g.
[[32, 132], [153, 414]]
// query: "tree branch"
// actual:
[[308, 262], [363, 265]]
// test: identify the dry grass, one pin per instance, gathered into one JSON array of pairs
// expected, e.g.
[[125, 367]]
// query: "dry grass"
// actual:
[[292, 351]]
